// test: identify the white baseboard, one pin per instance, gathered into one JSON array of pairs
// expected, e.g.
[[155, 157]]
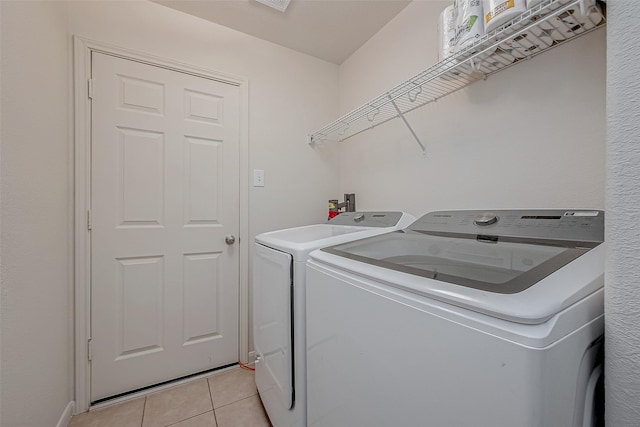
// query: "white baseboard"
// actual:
[[252, 357], [66, 415]]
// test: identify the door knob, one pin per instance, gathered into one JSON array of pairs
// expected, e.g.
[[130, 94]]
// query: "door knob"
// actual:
[[230, 239]]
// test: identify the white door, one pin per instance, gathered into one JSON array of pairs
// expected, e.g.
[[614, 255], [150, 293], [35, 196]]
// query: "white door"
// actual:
[[164, 194]]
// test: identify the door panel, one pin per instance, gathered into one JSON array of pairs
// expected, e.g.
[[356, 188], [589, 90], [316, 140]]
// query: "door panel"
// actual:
[[139, 305], [141, 189], [202, 178], [165, 184], [201, 321]]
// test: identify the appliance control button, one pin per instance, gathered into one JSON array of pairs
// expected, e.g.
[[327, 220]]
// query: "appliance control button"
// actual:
[[486, 219], [359, 217]]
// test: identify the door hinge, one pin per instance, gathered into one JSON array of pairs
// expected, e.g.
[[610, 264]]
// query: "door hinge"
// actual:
[[90, 88], [89, 350], [89, 225]]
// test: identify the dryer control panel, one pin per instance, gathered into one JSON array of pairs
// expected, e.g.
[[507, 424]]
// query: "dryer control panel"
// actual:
[[367, 219]]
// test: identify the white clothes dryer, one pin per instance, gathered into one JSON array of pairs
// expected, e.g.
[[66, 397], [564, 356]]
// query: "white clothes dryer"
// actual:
[[279, 304], [466, 319]]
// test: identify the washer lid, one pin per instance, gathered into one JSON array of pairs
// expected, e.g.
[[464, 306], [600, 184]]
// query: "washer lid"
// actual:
[[499, 265], [496, 261], [300, 241]]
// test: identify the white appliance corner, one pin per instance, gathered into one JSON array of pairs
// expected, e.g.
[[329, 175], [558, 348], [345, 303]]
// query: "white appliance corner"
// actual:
[[66, 415]]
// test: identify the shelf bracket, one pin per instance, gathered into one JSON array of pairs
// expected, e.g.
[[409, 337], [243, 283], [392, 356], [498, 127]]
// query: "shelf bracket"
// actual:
[[424, 149], [476, 72]]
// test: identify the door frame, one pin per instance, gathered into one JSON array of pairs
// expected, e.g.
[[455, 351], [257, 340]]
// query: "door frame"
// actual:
[[82, 49]]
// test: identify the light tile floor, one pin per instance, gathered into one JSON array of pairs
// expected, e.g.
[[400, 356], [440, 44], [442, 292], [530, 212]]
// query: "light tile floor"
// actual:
[[229, 399]]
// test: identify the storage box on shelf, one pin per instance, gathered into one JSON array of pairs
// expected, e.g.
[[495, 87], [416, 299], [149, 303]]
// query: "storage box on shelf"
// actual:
[[544, 26]]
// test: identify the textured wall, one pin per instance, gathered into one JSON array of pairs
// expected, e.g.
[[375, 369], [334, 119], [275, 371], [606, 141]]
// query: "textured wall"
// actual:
[[622, 307], [35, 235]]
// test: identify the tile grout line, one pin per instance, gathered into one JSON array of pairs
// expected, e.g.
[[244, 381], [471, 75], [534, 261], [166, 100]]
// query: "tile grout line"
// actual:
[[235, 401], [213, 408], [201, 413], [193, 416], [243, 398], [144, 408]]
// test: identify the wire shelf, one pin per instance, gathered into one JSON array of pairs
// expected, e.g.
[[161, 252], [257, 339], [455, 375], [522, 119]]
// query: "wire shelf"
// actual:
[[547, 25]]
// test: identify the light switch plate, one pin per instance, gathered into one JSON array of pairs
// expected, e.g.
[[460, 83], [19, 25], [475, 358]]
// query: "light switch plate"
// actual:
[[258, 178]]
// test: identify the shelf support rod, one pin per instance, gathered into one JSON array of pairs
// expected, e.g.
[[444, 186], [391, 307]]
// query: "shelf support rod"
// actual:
[[424, 149]]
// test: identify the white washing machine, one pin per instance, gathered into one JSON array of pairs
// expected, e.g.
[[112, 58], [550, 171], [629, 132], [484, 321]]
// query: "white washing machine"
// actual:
[[279, 304], [465, 319]]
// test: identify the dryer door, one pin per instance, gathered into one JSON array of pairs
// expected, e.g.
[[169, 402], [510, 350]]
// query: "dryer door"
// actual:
[[272, 328]]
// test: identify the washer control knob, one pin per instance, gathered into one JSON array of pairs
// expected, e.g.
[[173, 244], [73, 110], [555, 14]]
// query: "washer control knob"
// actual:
[[359, 217], [486, 219]]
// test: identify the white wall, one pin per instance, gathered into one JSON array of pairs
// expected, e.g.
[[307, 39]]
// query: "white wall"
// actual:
[[35, 235], [622, 297], [530, 136]]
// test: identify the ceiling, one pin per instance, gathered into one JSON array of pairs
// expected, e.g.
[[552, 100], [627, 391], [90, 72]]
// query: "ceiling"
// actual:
[[327, 29]]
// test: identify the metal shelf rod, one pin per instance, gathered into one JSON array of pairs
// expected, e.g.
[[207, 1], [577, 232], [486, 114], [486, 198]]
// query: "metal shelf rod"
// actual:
[[409, 126]]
